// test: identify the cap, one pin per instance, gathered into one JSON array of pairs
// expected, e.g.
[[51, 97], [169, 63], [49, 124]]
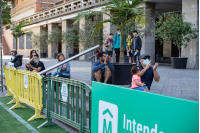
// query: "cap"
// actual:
[[144, 55]]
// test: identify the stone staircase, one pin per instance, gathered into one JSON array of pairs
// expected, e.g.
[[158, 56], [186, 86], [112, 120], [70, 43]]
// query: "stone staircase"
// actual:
[[6, 50]]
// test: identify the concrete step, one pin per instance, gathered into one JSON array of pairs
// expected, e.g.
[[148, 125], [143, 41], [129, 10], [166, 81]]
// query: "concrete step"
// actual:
[[6, 50]]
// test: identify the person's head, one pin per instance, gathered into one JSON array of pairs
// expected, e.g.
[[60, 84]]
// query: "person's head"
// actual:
[[13, 53], [60, 57], [136, 70], [32, 53], [144, 59], [118, 31], [111, 35], [135, 33], [36, 59], [102, 56], [32, 63], [129, 35]]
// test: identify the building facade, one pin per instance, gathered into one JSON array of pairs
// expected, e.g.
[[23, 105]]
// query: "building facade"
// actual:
[[45, 15]]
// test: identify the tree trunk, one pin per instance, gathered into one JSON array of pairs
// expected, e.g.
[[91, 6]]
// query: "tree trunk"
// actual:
[[121, 59], [16, 43], [179, 52]]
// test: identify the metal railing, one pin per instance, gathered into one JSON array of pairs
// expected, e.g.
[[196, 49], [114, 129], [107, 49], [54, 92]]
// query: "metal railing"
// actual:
[[68, 60]]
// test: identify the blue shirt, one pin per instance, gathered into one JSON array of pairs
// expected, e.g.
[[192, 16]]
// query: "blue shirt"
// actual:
[[147, 77], [97, 65], [116, 42], [64, 72]]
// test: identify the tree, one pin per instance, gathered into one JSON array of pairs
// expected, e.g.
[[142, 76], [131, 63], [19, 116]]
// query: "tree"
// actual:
[[38, 41], [6, 7], [17, 30], [54, 37], [173, 27], [124, 12], [71, 37]]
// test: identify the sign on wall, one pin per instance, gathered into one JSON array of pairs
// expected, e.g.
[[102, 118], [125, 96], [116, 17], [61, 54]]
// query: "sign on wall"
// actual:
[[123, 110]]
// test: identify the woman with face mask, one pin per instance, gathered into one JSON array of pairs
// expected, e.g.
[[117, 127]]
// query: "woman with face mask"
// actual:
[[32, 53]]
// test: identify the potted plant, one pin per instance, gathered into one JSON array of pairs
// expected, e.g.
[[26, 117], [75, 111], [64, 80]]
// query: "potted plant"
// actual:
[[124, 12], [54, 37], [39, 42], [173, 27]]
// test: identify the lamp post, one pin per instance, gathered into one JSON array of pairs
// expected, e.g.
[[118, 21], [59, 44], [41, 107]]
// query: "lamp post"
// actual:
[[1, 46]]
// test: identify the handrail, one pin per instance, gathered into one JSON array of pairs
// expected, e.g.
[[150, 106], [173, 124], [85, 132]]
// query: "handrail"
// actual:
[[68, 60]]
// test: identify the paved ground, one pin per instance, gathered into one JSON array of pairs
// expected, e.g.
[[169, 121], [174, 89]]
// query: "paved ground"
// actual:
[[173, 82]]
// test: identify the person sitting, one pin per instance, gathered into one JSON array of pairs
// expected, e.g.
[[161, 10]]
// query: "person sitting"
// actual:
[[32, 53], [102, 69], [63, 70], [17, 61], [12, 58], [38, 66]]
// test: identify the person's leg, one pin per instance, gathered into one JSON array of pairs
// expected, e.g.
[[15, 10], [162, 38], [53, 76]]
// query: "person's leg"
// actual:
[[107, 74], [97, 75], [130, 59], [117, 52], [54, 74], [134, 57]]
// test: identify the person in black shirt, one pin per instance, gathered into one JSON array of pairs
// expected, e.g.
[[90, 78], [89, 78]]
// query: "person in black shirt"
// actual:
[[151, 73], [39, 66]]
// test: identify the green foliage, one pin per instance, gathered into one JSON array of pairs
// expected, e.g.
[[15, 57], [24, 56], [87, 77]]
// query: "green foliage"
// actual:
[[54, 37], [86, 36], [172, 26], [124, 12], [38, 41], [16, 30], [71, 37], [6, 8]]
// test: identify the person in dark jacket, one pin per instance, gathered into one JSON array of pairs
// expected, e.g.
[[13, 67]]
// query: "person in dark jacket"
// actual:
[[102, 68], [136, 46], [17, 61]]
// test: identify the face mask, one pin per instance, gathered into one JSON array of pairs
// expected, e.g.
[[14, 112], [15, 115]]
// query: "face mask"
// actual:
[[145, 61], [129, 37], [118, 33], [36, 61]]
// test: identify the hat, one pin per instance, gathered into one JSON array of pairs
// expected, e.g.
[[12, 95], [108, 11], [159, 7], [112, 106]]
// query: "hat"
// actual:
[[144, 55]]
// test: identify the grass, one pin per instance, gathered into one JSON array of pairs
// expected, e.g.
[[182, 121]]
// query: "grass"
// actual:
[[9, 124]]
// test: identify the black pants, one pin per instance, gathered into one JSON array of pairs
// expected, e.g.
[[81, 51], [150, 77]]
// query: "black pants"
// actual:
[[117, 52]]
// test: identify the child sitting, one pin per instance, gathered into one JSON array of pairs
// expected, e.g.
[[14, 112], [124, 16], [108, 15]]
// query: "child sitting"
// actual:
[[136, 80]]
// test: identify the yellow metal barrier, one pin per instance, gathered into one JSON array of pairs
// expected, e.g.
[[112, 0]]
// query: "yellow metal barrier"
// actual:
[[28, 89], [10, 82]]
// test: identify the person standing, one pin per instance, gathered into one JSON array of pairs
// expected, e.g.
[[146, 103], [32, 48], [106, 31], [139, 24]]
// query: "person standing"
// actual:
[[109, 46], [116, 44], [129, 42], [136, 46]]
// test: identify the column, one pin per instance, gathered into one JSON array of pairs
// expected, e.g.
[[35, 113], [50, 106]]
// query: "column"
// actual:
[[190, 8], [148, 41], [65, 25], [51, 48], [106, 31]]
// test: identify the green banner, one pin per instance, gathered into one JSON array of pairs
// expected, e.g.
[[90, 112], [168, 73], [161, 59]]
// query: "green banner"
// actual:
[[123, 110]]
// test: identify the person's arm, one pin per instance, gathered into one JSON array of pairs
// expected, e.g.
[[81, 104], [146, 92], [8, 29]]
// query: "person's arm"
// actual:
[[156, 76], [37, 69], [68, 67], [15, 59], [110, 65], [139, 84], [97, 66], [145, 68]]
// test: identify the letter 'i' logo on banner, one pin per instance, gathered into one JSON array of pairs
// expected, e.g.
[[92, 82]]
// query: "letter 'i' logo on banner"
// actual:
[[108, 117]]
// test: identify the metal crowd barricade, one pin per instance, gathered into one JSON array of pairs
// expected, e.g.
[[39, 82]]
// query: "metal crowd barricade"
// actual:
[[28, 88], [10, 82], [68, 101]]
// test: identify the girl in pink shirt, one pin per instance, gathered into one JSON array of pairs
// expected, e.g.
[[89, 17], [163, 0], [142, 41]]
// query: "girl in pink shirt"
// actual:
[[136, 80]]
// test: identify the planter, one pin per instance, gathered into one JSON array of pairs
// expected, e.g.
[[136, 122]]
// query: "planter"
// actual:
[[122, 74], [55, 55], [43, 55], [179, 62]]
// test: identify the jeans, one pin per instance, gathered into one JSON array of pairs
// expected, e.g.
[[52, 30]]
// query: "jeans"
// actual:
[[138, 57], [59, 75], [117, 52]]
